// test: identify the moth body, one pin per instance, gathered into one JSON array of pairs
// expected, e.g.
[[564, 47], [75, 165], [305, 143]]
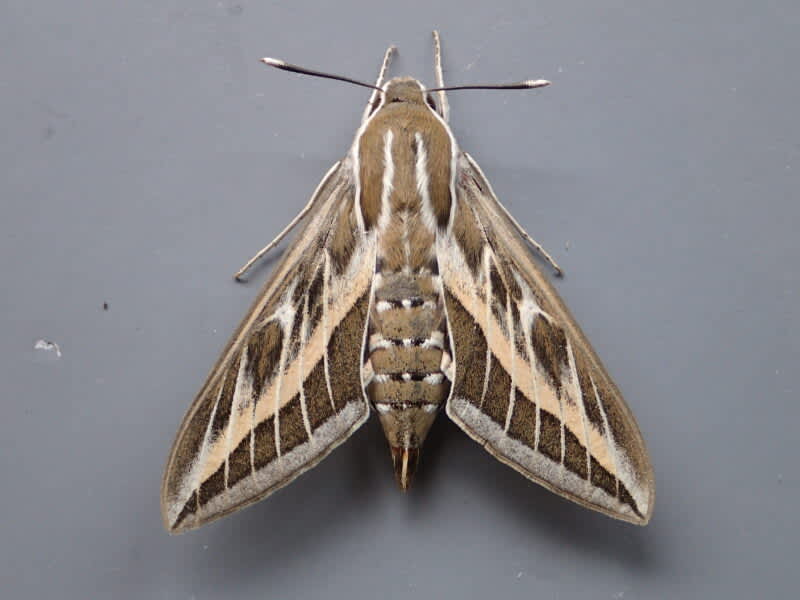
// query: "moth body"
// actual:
[[403, 189]]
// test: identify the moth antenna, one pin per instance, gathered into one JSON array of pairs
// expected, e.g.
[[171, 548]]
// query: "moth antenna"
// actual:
[[528, 84], [284, 66]]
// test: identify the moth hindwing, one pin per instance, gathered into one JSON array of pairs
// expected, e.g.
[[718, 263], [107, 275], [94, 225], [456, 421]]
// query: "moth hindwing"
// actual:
[[409, 289]]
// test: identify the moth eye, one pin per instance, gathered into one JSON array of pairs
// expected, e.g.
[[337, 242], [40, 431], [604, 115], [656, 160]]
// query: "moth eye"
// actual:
[[429, 100]]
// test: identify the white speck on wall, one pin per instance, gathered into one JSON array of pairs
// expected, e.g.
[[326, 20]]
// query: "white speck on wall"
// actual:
[[47, 346]]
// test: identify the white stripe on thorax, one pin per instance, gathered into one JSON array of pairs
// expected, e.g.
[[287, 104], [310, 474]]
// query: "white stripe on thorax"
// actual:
[[387, 181], [423, 184]]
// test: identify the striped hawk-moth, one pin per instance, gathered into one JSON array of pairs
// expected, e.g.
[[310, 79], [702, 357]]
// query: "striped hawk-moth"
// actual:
[[409, 289]]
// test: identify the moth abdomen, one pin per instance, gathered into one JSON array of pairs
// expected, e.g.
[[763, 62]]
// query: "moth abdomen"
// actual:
[[407, 358]]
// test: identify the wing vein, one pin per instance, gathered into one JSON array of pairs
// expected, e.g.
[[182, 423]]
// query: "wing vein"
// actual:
[[510, 326], [526, 328], [300, 369], [562, 425], [326, 272], [488, 300], [582, 408], [609, 440], [234, 412], [195, 485], [276, 415]]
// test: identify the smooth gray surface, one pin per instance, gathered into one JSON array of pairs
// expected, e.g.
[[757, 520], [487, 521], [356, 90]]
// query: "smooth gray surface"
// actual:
[[145, 154]]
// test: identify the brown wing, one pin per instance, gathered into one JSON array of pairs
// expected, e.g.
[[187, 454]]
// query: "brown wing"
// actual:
[[528, 386], [269, 409]]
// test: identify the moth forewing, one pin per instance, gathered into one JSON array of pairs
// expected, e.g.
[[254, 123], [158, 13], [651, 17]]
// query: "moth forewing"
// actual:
[[534, 393], [270, 408]]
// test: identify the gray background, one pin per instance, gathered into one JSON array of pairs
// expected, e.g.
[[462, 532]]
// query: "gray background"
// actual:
[[145, 154]]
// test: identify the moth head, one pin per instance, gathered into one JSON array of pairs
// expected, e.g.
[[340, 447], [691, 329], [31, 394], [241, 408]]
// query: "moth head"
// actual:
[[409, 90]]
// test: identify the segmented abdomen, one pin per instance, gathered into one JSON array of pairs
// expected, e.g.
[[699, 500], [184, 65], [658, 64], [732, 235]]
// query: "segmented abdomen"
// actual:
[[408, 355]]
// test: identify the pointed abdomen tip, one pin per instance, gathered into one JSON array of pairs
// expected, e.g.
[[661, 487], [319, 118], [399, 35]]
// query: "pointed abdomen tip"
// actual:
[[405, 461]]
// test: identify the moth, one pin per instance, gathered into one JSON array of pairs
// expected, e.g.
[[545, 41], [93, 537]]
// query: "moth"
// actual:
[[410, 289]]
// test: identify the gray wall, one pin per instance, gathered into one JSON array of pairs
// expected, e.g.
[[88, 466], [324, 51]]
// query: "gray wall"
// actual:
[[146, 153]]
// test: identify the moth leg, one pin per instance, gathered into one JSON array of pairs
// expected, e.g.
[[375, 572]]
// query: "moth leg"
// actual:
[[558, 270], [306, 209], [537, 246], [275, 242], [437, 67], [373, 99]]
